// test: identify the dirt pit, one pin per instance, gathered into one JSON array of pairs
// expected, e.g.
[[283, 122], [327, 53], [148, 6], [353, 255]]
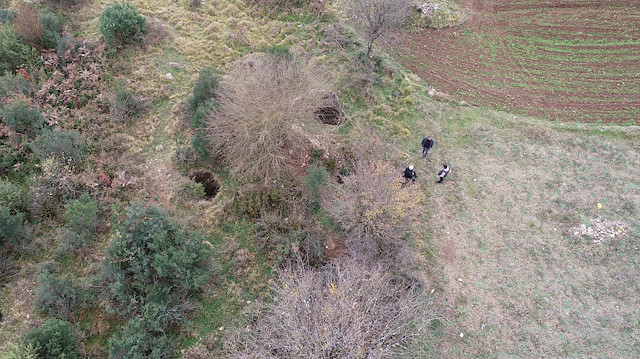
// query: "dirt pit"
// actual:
[[209, 181]]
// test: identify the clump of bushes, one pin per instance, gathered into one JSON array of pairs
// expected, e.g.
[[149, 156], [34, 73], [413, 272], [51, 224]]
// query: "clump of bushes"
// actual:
[[120, 24], [21, 117], [375, 211], [152, 265], [14, 196], [51, 29], [346, 310], [56, 182], [63, 146], [201, 101], [81, 218], [126, 106], [57, 296], [14, 53], [257, 127], [56, 339], [12, 232]]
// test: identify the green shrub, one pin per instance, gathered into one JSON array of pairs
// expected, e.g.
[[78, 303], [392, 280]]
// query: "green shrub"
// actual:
[[14, 53], [11, 229], [10, 156], [439, 14], [199, 118], [11, 84], [205, 89], [316, 178], [56, 339], [67, 43], [126, 106], [7, 16], [21, 117], [138, 341], [19, 351], [120, 24], [51, 29], [81, 214], [56, 297], [14, 196], [64, 146], [150, 257], [200, 144]]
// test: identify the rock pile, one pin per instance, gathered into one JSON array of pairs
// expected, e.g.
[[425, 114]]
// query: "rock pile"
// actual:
[[601, 230]]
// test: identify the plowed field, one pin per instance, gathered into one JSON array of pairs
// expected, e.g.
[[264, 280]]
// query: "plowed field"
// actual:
[[568, 60]]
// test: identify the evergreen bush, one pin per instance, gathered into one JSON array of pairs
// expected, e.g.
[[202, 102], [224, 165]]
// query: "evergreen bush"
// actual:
[[21, 117], [56, 297], [120, 24], [64, 146], [56, 339], [11, 229], [14, 196], [14, 53], [205, 89], [51, 29]]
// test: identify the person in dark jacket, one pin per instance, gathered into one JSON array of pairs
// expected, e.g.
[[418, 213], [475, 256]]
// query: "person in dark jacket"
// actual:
[[427, 143], [443, 173], [410, 174]]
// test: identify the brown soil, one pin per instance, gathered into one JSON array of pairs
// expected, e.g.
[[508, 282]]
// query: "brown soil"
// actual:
[[559, 59]]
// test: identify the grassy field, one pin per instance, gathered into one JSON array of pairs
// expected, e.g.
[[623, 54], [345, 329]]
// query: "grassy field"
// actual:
[[566, 60], [513, 279]]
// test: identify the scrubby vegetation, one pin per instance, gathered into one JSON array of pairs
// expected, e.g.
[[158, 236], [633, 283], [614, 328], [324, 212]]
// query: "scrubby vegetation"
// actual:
[[206, 180]]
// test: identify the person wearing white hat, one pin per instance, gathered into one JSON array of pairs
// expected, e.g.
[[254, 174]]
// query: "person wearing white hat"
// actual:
[[410, 174]]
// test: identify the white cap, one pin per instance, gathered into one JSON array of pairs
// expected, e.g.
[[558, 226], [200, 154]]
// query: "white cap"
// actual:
[[411, 167]]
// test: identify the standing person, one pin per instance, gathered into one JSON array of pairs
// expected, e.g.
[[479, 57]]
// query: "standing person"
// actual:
[[443, 173], [410, 174], [427, 143]]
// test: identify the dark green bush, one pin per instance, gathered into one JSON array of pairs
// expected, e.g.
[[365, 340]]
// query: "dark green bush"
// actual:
[[126, 106], [21, 117], [10, 156], [199, 118], [56, 297], [316, 178], [56, 339], [64, 146], [200, 144], [67, 43], [139, 341], [81, 214], [11, 84], [11, 229], [19, 351], [120, 24], [81, 219], [150, 257], [7, 16], [51, 29], [205, 89], [14, 53], [14, 196]]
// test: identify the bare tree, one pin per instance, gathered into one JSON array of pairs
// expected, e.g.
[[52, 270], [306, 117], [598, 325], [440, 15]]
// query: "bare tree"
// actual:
[[258, 127], [346, 310], [374, 209], [378, 17]]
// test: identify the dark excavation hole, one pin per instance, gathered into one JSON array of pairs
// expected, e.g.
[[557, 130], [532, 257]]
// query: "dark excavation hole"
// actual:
[[208, 180], [329, 115]]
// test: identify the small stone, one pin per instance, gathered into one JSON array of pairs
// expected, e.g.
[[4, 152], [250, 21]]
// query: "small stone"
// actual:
[[461, 335], [175, 65], [169, 76], [459, 279], [159, 147], [221, 328], [396, 93]]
